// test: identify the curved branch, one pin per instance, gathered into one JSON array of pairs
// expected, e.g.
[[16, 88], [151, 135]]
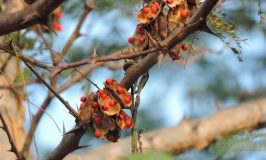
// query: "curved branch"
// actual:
[[194, 24], [70, 141], [34, 14]]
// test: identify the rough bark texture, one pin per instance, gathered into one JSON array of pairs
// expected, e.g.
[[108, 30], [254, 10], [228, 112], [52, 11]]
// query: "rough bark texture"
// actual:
[[188, 134], [33, 14]]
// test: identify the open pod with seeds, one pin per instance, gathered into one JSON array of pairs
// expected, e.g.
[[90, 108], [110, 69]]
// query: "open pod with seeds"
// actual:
[[180, 13], [139, 40], [85, 110], [102, 111], [102, 124], [124, 121], [108, 104], [119, 93], [149, 12]]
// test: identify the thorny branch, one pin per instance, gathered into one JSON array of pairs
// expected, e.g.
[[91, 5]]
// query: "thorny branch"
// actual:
[[87, 9], [70, 109], [34, 14], [36, 118], [135, 71], [13, 146]]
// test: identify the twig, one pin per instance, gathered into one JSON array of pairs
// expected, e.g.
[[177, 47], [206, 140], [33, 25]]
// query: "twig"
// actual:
[[76, 33], [5, 63], [13, 146], [70, 109], [25, 58], [127, 54], [35, 121]]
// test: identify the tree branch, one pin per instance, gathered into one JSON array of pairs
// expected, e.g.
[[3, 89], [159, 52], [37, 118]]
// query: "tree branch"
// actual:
[[70, 109], [13, 146], [69, 141], [194, 24], [189, 133], [34, 14]]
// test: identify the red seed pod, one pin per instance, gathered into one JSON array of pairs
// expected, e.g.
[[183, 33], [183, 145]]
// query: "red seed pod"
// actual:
[[154, 10], [121, 116], [156, 4], [59, 15], [127, 100], [184, 14], [128, 123], [146, 10], [97, 120], [139, 29], [185, 47], [120, 89], [109, 81], [95, 104], [83, 99], [170, 1], [104, 96], [178, 57], [97, 134], [105, 107], [57, 26], [112, 102], [131, 40], [100, 91], [141, 39]]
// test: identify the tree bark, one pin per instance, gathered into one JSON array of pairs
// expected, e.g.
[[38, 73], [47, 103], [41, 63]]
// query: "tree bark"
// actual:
[[11, 103], [188, 134]]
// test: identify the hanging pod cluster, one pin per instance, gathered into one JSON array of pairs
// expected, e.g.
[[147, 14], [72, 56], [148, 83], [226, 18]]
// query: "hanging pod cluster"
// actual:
[[157, 20], [103, 110]]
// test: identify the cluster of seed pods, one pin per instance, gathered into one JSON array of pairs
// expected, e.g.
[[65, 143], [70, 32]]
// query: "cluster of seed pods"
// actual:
[[103, 110], [178, 13]]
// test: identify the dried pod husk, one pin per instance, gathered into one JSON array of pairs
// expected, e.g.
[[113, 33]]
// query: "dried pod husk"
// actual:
[[108, 104], [173, 3], [175, 15], [141, 40], [122, 121], [174, 52], [149, 12], [85, 110], [113, 135], [119, 93], [105, 125]]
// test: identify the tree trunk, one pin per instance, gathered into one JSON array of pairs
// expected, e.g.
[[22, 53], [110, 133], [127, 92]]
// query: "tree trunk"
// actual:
[[11, 103], [188, 134]]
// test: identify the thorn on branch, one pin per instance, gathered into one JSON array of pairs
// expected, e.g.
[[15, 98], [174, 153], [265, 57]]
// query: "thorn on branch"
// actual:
[[13, 146], [80, 147], [66, 104]]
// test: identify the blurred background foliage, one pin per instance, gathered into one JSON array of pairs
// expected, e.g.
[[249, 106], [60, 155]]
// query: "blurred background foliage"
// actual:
[[173, 92]]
